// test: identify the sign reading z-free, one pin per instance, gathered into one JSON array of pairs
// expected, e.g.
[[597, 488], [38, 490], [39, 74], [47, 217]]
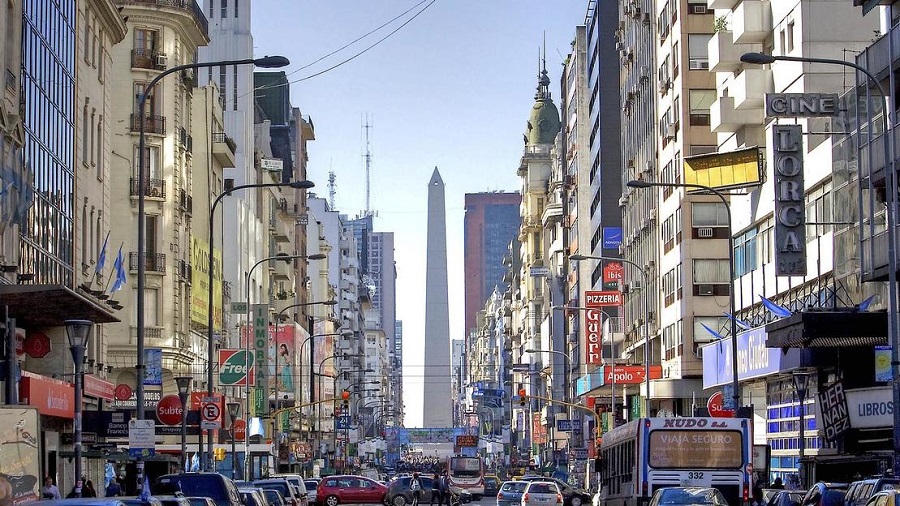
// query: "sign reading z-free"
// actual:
[[467, 441]]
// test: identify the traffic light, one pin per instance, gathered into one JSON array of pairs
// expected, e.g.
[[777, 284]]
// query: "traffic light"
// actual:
[[522, 395], [345, 405], [219, 454]]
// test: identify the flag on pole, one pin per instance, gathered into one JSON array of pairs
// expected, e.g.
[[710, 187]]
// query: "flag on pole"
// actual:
[[713, 332], [737, 321], [145, 489], [864, 305], [101, 260], [775, 309], [121, 279]]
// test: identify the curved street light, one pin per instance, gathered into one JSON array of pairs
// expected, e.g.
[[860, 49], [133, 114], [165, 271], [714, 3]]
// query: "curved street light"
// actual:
[[264, 62]]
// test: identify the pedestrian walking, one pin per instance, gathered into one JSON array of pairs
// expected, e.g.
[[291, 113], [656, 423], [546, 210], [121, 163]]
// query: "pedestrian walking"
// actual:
[[436, 490], [446, 494], [49, 490], [88, 490], [415, 486]]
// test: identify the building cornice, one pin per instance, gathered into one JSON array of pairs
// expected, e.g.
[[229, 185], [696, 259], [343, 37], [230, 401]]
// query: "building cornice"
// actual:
[[112, 22]]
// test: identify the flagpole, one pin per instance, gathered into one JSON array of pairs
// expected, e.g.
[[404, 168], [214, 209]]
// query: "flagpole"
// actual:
[[101, 261], [110, 279]]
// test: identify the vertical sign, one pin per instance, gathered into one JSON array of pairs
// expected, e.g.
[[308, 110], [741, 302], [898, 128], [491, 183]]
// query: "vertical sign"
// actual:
[[261, 341], [593, 337], [153, 366], [834, 410], [790, 226]]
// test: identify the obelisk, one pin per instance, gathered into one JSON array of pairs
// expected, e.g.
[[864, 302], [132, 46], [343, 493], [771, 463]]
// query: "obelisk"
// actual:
[[438, 411]]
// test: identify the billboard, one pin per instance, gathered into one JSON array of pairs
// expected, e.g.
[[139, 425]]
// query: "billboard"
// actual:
[[200, 284], [234, 366], [735, 169], [19, 454], [790, 207]]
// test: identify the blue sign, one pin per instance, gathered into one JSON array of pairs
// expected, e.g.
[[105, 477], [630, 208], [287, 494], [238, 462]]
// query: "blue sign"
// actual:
[[153, 366], [612, 237], [754, 359], [141, 452], [568, 426], [343, 422]]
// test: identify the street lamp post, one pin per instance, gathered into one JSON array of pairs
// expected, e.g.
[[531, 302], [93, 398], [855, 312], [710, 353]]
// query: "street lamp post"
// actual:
[[211, 347], [78, 333], [234, 411], [890, 222], [646, 323], [732, 318], [184, 385], [264, 62], [801, 379], [566, 397]]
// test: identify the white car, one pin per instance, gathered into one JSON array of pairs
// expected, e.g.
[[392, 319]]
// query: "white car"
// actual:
[[542, 493], [311, 488]]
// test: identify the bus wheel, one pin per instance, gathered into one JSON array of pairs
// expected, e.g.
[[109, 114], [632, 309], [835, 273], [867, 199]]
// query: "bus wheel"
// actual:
[[398, 500]]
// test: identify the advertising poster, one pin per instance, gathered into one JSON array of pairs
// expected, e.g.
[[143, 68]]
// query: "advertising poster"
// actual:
[[153, 366], [19, 455], [883, 364], [200, 284]]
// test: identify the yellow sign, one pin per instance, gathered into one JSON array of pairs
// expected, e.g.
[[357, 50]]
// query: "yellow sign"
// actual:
[[735, 169], [200, 284]]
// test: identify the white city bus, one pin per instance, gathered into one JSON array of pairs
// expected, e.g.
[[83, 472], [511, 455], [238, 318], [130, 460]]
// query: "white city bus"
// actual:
[[466, 473], [651, 453]]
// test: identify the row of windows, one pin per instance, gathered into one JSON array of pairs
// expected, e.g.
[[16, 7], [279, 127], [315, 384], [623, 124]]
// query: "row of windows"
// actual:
[[223, 8]]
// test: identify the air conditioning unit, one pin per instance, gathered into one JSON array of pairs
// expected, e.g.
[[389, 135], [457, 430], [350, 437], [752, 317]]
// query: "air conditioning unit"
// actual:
[[646, 19], [635, 285], [698, 9], [625, 288], [623, 201], [654, 213], [670, 130], [645, 73], [704, 232], [161, 60], [705, 290]]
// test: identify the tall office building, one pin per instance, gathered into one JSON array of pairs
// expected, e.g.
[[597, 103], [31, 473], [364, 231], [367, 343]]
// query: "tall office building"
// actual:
[[436, 373], [491, 223]]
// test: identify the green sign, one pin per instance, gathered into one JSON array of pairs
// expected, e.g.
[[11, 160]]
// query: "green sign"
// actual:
[[233, 369], [636, 406], [285, 420], [261, 341], [238, 308], [259, 401]]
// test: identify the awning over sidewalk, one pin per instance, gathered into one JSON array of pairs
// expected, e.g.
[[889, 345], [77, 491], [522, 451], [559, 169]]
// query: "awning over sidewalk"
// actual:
[[51, 305], [828, 329]]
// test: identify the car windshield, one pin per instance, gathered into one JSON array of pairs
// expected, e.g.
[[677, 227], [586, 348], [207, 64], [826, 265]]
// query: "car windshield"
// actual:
[[280, 486], [311, 486], [192, 485], [833, 497], [699, 496], [541, 488], [513, 486]]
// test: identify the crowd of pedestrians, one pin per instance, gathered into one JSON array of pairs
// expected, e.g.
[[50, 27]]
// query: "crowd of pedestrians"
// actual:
[[419, 463]]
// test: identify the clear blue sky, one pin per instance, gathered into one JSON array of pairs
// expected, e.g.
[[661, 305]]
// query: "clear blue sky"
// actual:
[[452, 89]]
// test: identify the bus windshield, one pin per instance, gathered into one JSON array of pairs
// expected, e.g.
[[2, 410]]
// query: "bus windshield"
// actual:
[[695, 449], [465, 467]]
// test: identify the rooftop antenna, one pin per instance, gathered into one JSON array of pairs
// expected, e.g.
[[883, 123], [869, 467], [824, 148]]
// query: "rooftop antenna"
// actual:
[[332, 189], [368, 157]]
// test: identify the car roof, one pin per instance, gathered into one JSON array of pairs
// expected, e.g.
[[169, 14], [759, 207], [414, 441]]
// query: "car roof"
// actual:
[[83, 501]]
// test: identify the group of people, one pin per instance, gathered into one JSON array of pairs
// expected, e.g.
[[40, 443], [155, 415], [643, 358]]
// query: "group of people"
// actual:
[[51, 491], [420, 463], [440, 489]]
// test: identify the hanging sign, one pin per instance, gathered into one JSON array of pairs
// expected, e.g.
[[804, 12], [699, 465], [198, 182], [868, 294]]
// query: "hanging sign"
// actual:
[[790, 219]]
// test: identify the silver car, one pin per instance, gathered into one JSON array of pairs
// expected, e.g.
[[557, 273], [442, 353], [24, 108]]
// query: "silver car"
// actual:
[[541, 493]]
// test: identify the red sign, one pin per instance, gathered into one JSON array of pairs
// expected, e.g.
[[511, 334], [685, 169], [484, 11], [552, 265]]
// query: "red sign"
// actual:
[[593, 334], [123, 392], [37, 345], [613, 272], [98, 388], [602, 298], [51, 397], [169, 410], [630, 374], [714, 405], [240, 429]]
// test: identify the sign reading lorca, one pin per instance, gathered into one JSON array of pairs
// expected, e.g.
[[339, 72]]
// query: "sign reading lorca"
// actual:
[[790, 220]]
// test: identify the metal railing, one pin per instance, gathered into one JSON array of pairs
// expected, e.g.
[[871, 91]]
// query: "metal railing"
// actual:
[[187, 5], [155, 188], [155, 262], [153, 124]]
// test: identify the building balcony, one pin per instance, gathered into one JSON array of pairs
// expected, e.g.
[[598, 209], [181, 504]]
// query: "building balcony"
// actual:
[[142, 58], [184, 7], [752, 21], [153, 188], [185, 201], [281, 230], [724, 54], [282, 271], [724, 117], [153, 124], [223, 148], [750, 86], [155, 262], [721, 4]]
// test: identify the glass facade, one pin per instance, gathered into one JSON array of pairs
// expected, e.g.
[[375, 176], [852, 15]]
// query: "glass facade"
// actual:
[[48, 93], [501, 226]]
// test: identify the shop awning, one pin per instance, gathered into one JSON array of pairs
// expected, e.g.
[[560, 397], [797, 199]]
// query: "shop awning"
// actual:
[[828, 329], [51, 305]]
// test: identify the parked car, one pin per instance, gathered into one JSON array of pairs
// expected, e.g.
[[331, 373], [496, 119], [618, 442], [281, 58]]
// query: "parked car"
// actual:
[[137, 501], [510, 493], [786, 498], [311, 486], [825, 494], [273, 497], [253, 497], [80, 501], [215, 486], [889, 497], [172, 500], [571, 496], [688, 495], [541, 493], [859, 492], [346, 488], [399, 494], [287, 489], [297, 481]]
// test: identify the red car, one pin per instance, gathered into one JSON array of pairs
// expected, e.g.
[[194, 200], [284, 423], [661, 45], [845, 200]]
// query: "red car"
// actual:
[[339, 489]]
